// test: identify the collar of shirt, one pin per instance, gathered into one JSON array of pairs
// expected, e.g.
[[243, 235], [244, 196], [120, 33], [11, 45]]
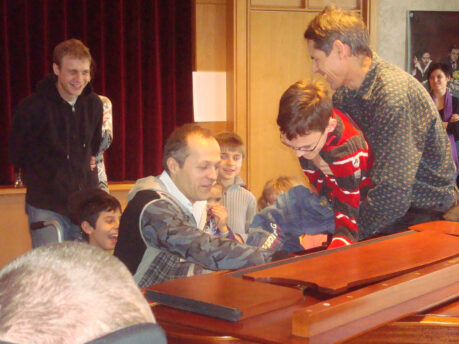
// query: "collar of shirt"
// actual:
[[196, 208]]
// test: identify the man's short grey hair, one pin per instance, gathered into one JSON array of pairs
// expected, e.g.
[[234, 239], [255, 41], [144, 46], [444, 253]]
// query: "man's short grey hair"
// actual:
[[177, 143], [68, 293]]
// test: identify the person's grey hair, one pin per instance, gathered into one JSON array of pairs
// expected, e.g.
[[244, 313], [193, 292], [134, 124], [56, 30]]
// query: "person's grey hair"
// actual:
[[68, 293], [177, 144], [336, 24]]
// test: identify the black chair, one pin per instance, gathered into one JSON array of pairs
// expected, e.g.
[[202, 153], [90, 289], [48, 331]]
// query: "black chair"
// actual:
[[146, 333]]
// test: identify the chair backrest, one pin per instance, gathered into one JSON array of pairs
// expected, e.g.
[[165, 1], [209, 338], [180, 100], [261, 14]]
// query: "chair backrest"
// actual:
[[45, 232], [146, 333]]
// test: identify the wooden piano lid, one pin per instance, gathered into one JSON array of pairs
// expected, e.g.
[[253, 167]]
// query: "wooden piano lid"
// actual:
[[336, 271]]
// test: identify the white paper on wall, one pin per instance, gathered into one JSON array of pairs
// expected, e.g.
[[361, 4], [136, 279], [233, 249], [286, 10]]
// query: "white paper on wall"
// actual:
[[209, 96]]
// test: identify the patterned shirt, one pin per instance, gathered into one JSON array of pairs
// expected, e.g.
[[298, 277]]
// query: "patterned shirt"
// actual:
[[349, 158], [173, 246], [413, 165]]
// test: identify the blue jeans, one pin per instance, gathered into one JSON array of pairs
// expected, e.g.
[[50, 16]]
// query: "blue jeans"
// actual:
[[70, 231]]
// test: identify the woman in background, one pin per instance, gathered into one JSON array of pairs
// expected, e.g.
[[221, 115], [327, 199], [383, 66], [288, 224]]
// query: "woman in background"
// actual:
[[439, 74]]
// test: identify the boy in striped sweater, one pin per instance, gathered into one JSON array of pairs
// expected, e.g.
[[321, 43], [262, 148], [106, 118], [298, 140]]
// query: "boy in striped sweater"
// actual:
[[333, 153]]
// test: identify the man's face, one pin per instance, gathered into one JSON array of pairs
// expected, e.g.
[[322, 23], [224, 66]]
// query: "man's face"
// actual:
[[72, 76], [454, 54], [329, 66], [230, 164], [307, 146], [199, 171], [105, 234], [425, 59]]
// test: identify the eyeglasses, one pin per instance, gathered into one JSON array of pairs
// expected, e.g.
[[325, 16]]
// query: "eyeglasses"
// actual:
[[302, 149]]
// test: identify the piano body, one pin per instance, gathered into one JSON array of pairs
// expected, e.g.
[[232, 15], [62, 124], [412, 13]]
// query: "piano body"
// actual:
[[402, 288]]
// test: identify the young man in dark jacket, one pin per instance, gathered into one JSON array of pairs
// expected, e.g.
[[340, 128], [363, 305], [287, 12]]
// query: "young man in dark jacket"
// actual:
[[55, 135]]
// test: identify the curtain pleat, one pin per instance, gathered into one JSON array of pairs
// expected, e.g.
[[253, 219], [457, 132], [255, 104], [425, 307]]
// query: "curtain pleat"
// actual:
[[143, 55]]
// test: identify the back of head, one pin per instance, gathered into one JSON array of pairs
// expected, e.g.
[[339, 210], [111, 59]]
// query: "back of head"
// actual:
[[177, 144], [304, 107], [68, 293], [275, 187], [230, 141], [337, 24]]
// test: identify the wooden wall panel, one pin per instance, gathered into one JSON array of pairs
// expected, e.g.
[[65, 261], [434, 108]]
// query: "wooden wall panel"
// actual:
[[211, 44], [278, 57], [346, 4], [279, 3], [210, 36]]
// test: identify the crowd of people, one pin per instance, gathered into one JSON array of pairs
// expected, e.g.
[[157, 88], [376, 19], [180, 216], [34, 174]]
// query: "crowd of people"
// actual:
[[378, 156]]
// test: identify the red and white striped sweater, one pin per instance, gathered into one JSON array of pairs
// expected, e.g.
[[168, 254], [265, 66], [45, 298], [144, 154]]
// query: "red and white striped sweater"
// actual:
[[349, 158]]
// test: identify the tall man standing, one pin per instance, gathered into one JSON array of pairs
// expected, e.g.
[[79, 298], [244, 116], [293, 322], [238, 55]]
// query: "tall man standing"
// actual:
[[55, 135], [413, 173]]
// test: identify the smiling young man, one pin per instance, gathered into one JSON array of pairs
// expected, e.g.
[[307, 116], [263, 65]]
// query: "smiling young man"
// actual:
[[333, 153], [55, 135], [413, 172], [159, 236]]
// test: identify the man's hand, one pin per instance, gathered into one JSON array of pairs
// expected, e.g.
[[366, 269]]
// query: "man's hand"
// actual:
[[221, 216], [92, 163], [454, 117]]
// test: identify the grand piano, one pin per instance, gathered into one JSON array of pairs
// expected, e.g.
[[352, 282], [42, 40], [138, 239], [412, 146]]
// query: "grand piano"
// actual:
[[401, 288]]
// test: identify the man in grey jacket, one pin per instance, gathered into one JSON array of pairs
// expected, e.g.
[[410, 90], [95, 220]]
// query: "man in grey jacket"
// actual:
[[159, 235]]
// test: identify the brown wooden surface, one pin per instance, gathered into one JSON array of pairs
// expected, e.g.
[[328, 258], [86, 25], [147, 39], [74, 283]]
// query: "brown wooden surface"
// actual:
[[275, 328], [357, 312], [229, 292], [446, 227], [437, 325], [357, 265]]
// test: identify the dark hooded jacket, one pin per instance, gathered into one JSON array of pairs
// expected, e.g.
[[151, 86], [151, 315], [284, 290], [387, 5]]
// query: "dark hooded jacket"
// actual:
[[53, 141]]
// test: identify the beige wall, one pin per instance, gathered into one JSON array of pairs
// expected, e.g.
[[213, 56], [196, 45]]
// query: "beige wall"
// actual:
[[392, 25]]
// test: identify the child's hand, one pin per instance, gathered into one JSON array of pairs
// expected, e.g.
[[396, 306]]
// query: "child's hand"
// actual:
[[221, 216]]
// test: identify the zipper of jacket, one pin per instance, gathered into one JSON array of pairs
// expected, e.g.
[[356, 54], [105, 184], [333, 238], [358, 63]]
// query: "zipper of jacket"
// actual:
[[68, 134]]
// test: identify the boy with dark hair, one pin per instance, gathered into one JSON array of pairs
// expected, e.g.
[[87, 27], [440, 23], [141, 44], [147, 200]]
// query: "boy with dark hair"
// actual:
[[98, 215], [240, 203], [333, 153]]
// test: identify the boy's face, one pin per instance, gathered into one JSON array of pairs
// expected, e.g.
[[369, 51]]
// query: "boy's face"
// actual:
[[309, 145], [105, 234], [230, 164], [215, 196]]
